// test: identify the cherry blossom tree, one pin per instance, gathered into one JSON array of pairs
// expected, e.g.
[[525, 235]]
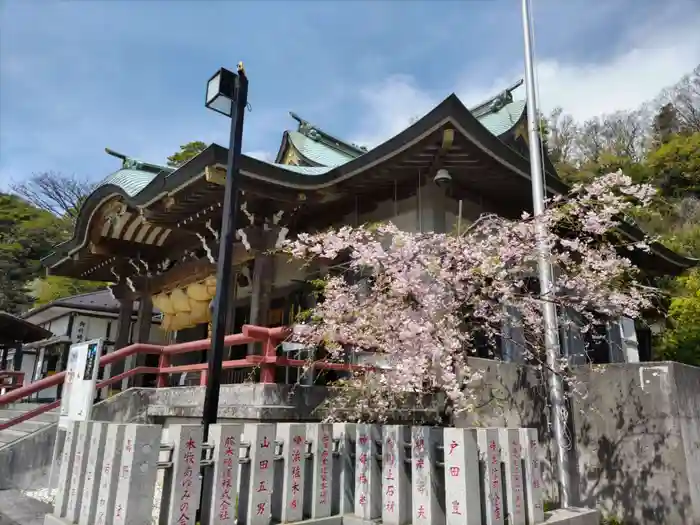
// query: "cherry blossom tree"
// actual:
[[423, 303]]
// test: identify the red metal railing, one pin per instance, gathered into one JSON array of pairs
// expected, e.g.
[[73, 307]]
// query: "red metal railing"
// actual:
[[10, 380], [268, 362]]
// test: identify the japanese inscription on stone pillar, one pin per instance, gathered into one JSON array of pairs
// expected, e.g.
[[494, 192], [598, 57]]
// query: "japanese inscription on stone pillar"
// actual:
[[343, 491], [368, 497], [321, 436], [533, 474], [184, 491], [65, 471], [511, 457], [426, 509], [93, 474], [293, 437], [111, 465], [395, 483], [82, 446], [490, 451], [138, 472], [222, 480], [262, 455], [462, 499]]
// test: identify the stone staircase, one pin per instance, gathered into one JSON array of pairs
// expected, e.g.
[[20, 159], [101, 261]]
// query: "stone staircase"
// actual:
[[22, 429]]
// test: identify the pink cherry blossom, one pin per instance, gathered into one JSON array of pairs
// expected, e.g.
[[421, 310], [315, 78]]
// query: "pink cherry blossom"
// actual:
[[417, 300]]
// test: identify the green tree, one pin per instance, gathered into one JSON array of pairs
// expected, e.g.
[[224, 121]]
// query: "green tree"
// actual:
[[26, 235], [681, 340], [676, 166], [54, 287], [665, 124], [187, 152]]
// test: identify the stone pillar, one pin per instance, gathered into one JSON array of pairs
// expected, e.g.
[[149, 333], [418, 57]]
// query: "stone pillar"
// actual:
[[221, 482], [137, 475], [426, 481], [533, 475], [321, 437], [511, 456], [258, 511], [462, 500], [396, 490], [490, 452], [293, 438], [181, 486], [368, 485], [82, 447], [65, 470], [343, 486], [93, 473], [109, 477]]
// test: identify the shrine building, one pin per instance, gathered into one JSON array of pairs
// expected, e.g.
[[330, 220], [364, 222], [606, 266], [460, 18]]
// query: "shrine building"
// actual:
[[154, 230]]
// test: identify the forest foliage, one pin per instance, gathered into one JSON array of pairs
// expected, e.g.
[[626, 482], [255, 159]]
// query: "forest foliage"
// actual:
[[657, 143]]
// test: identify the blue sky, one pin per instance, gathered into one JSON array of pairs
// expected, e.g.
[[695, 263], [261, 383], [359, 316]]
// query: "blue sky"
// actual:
[[78, 76]]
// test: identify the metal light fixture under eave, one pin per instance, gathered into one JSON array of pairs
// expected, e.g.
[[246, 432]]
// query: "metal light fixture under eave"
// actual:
[[220, 92]]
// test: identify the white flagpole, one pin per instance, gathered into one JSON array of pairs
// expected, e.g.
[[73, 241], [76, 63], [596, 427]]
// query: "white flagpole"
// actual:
[[559, 413]]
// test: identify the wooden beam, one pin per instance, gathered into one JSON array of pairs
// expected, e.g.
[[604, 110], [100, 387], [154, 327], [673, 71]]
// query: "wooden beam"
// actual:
[[123, 249], [191, 271], [215, 175]]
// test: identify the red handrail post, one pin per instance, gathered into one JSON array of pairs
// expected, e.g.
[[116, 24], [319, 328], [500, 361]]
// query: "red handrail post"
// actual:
[[267, 369], [203, 378], [163, 362]]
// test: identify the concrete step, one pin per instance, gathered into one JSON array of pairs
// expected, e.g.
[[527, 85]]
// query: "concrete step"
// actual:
[[26, 407], [10, 435], [27, 426], [18, 509], [11, 413]]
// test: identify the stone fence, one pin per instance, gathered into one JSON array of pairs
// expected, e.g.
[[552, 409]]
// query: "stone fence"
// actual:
[[262, 473]]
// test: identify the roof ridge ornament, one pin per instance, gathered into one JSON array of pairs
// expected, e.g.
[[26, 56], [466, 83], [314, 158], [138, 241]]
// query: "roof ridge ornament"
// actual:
[[314, 133], [132, 163], [497, 102]]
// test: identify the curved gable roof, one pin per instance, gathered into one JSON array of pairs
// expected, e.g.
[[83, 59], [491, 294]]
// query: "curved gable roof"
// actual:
[[450, 111]]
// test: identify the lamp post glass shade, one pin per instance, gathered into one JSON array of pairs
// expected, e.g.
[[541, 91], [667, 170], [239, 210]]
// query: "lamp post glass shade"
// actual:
[[220, 92]]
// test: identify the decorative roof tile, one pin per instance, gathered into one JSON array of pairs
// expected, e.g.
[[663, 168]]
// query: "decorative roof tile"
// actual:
[[303, 170], [318, 152], [505, 118], [131, 181]]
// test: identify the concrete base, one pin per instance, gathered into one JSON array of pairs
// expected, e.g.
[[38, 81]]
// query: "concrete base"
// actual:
[[349, 519], [330, 520], [50, 519], [572, 516]]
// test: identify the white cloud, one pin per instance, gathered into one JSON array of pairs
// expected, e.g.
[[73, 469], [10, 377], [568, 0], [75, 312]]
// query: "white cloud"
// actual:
[[655, 58]]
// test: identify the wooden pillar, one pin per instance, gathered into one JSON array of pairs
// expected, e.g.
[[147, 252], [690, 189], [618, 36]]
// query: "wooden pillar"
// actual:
[[261, 292], [126, 307], [144, 321]]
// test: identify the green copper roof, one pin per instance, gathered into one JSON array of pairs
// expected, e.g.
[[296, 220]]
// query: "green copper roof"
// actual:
[[131, 181], [498, 115], [304, 170], [134, 175], [318, 152], [505, 118]]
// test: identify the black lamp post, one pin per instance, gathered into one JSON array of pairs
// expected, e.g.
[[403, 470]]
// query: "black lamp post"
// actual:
[[227, 93]]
